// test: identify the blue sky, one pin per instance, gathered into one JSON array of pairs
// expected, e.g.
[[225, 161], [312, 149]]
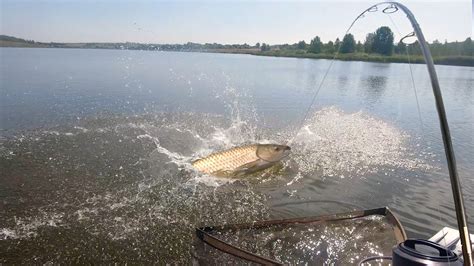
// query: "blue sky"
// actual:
[[273, 22]]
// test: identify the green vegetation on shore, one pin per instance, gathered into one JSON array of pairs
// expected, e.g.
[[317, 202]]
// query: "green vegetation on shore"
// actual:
[[378, 47], [414, 59]]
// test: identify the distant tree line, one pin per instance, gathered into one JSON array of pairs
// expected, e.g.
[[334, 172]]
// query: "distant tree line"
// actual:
[[379, 42], [14, 39]]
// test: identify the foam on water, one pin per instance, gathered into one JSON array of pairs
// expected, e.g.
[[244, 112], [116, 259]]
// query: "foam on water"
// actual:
[[351, 145], [26, 227]]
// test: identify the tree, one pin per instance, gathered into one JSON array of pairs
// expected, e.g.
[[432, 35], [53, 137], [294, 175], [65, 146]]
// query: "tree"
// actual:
[[348, 44], [285, 47], [329, 48], [337, 43], [265, 47], [414, 48], [401, 48], [301, 45], [257, 45], [369, 41], [436, 48], [467, 47], [383, 41], [315, 46], [359, 47]]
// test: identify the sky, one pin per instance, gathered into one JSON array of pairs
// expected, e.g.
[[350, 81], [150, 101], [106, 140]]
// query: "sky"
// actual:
[[227, 22]]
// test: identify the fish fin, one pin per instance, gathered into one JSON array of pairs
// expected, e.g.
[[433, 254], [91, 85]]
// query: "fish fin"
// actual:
[[223, 173], [254, 167], [237, 172], [244, 169], [247, 166], [250, 168]]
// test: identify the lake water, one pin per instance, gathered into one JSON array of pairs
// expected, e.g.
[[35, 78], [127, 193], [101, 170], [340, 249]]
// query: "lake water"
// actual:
[[96, 145]]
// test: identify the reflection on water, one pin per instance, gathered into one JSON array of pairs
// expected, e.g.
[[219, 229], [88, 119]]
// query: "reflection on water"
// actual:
[[374, 88], [96, 145]]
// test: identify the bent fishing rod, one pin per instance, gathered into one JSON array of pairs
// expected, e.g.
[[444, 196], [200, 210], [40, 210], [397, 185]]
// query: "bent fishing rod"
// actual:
[[389, 8], [448, 146]]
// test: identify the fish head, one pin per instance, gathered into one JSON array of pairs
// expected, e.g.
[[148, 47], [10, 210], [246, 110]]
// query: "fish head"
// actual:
[[272, 152]]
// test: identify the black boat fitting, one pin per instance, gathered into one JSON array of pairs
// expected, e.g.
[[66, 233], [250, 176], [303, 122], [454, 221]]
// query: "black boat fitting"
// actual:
[[420, 252]]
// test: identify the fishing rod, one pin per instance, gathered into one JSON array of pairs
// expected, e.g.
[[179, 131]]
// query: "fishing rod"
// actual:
[[448, 146], [389, 8]]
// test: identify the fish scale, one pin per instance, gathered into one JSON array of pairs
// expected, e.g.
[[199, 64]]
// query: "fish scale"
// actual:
[[227, 160]]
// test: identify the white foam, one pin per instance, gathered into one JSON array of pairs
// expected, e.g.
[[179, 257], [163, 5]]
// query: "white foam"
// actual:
[[351, 144], [27, 227], [6, 233]]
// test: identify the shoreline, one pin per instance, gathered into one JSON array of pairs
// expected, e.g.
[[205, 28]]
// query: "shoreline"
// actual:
[[460, 60], [363, 57]]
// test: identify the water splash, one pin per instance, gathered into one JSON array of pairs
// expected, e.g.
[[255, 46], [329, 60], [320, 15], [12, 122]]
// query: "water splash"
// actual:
[[351, 145]]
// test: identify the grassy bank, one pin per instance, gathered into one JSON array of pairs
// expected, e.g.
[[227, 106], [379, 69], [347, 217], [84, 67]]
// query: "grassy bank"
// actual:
[[7, 41], [416, 59]]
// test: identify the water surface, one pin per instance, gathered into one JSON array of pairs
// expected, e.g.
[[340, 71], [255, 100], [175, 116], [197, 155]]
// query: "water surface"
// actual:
[[96, 146]]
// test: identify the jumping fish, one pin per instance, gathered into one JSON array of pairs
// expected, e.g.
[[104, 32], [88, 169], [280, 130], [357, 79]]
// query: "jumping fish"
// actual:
[[242, 160]]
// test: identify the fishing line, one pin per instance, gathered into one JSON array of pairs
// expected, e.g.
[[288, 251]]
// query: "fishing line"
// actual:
[[410, 67], [412, 34], [311, 104], [416, 95], [371, 9]]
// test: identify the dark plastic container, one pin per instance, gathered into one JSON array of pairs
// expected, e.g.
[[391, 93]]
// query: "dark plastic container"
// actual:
[[419, 252]]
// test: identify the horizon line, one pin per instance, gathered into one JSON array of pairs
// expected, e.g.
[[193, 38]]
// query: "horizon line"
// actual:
[[340, 39]]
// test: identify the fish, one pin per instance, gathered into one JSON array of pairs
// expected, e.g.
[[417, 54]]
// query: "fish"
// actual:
[[242, 160]]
